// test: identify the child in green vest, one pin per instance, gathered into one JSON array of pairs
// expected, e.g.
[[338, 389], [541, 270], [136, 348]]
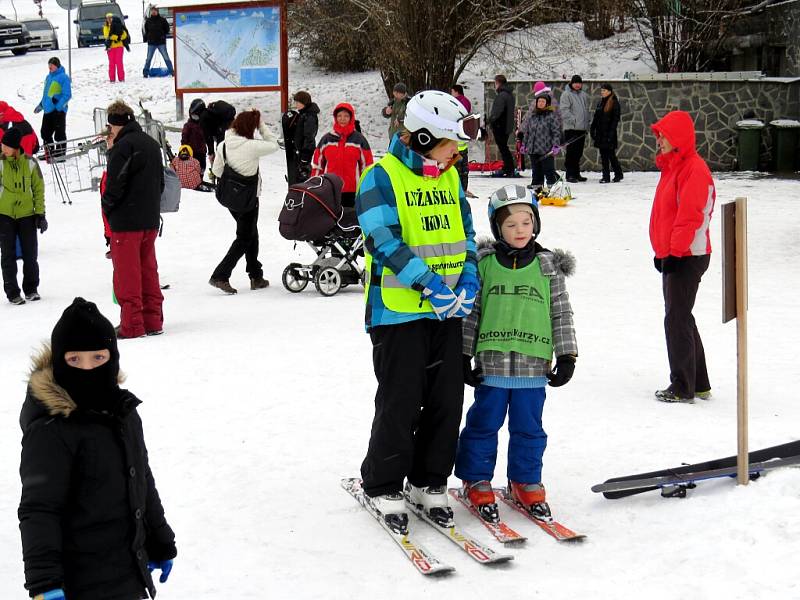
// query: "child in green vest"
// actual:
[[21, 214], [522, 317]]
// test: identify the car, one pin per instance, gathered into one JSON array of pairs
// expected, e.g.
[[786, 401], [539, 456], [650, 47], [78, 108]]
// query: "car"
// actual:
[[165, 12], [14, 36], [43, 34], [91, 16]]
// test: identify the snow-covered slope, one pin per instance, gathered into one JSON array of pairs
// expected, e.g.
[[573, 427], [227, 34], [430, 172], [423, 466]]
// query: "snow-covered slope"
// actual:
[[255, 405]]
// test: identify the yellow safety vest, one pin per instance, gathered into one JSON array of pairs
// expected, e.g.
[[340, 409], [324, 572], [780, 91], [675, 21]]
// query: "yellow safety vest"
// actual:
[[430, 218]]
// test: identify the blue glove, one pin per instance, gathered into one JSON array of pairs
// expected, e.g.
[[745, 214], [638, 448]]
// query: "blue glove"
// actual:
[[555, 150], [51, 595], [165, 566], [466, 290], [38, 108], [442, 299]]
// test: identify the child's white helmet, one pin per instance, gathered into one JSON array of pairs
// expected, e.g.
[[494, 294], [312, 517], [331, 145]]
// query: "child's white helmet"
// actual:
[[433, 115]]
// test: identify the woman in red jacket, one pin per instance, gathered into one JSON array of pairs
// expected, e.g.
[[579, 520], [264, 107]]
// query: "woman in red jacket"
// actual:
[[679, 235], [344, 152]]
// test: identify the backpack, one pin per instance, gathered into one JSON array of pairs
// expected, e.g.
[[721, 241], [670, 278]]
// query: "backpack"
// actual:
[[171, 194], [312, 208], [224, 112], [235, 191]]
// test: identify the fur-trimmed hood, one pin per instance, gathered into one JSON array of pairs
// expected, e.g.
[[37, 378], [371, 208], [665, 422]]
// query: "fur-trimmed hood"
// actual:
[[550, 261], [45, 397]]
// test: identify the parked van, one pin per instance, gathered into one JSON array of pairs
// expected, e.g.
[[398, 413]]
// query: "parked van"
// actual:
[[91, 16]]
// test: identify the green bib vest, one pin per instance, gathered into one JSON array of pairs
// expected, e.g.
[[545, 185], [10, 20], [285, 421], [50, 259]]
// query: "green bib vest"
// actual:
[[515, 310], [432, 227]]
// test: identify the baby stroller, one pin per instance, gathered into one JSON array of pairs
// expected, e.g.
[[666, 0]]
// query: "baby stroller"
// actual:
[[313, 213]]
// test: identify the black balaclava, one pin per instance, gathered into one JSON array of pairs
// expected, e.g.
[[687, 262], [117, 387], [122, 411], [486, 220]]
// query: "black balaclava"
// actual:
[[82, 327]]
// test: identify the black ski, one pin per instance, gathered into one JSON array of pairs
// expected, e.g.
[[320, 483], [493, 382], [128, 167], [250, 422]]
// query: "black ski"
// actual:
[[685, 476]]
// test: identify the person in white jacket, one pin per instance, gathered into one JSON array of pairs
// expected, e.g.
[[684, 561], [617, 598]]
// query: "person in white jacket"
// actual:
[[242, 152]]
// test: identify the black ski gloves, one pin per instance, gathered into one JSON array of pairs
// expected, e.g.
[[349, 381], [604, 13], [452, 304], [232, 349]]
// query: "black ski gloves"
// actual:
[[671, 264], [657, 263], [472, 377], [565, 367], [303, 170], [41, 223]]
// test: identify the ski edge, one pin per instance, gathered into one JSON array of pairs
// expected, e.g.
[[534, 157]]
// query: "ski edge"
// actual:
[[474, 549], [423, 560], [555, 529], [501, 531]]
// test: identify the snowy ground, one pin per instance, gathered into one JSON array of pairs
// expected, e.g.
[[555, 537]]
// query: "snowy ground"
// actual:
[[255, 405]]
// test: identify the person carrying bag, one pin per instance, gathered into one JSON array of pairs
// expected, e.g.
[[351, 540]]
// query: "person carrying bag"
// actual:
[[238, 188]]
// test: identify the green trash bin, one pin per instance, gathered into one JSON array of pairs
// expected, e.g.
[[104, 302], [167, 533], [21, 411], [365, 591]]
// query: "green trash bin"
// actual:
[[785, 133], [749, 144]]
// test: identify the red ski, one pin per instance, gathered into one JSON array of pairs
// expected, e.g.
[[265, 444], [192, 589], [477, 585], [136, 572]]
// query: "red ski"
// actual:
[[554, 528], [501, 532]]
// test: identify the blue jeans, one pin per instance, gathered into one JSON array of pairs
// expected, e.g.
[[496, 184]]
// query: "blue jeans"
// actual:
[[151, 50], [477, 445]]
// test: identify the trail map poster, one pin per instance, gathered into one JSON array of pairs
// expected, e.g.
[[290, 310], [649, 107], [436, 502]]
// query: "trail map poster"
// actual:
[[228, 47]]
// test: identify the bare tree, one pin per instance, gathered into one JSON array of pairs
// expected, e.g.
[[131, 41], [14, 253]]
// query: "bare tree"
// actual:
[[428, 45], [332, 34], [685, 35]]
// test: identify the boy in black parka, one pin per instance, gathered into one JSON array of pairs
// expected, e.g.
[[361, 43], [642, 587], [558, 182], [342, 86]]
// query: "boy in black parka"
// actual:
[[92, 523]]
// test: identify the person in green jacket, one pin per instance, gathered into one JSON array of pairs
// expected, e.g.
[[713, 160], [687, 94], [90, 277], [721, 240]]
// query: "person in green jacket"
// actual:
[[395, 111], [21, 214]]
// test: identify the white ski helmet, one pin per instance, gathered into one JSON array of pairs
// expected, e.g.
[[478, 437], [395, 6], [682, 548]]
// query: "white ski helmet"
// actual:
[[433, 115], [508, 195]]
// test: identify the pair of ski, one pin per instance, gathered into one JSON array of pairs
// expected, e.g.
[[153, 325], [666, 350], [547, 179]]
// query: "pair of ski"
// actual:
[[424, 560], [503, 533]]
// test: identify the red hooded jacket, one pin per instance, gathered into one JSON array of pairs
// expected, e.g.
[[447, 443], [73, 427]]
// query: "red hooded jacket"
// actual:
[[343, 151], [685, 194], [10, 117]]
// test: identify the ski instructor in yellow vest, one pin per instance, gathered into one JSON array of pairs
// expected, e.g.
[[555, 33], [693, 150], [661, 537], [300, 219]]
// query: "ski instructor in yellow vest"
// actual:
[[421, 281]]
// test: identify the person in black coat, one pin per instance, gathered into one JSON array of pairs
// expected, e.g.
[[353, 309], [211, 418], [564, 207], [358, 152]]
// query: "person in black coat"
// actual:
[[92, 523], [300, 126], [215, 120], [132, 205], [604, 132], [501, 121], [156, 30]]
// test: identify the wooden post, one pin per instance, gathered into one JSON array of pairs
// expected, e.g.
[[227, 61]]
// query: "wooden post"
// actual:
[[743, 467]]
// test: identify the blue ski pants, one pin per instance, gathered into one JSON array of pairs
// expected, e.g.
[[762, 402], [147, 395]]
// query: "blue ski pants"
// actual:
[[477, 445]]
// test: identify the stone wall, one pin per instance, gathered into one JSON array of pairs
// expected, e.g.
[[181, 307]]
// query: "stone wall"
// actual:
[[715, 105]]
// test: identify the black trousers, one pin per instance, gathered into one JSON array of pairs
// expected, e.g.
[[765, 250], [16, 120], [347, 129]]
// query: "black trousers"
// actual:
[[574, 151], [245, 244], [463, 169], [417, 406], [501, 139], [54, 125], [608, 156], [543, 168], [687, 359], [25, 228]]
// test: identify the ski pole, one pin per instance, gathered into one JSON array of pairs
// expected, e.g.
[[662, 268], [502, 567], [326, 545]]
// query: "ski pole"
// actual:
[[562, 146]]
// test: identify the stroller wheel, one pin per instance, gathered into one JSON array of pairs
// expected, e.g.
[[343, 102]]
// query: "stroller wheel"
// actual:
[[293, 279], [328, 281]]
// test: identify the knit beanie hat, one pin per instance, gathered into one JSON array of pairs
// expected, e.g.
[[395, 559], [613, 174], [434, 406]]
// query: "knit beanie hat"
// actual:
[[540, 87], [54, 61], [400, 88], [607, 86], [575, 79], [12, 138], [82, 327], [302, 97]]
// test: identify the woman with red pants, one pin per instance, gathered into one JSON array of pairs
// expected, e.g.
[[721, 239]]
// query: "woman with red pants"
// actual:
[[344, 152]]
